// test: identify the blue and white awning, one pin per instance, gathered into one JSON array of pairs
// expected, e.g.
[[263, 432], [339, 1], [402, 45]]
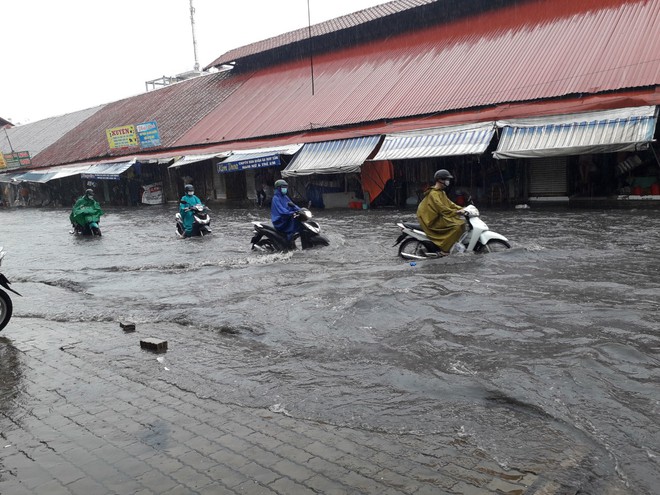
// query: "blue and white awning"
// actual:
[[257, 158], [610, 131], [107, 171], [332, 157], [471, 139]]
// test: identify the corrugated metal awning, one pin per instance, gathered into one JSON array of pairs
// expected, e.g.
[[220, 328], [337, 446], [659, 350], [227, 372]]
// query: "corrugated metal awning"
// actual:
[[610, 131], [11, 177], [62, 172], [332, 157], [40, 177], [106, 171], [257, 158], [188, 159], [471, 139]]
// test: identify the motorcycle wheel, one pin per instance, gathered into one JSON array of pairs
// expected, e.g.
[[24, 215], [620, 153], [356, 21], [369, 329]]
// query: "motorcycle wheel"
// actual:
[[265, 245], [96, 231], [494, 246], [6, 309], [412, 249]]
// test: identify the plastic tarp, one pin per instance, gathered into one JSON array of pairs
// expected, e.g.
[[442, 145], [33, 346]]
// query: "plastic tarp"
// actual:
[[11, 177], [40, 177], [471, 139], [189, 159], [62, 172], [332, 157], [609, 131], [375, 175], [106, 171]]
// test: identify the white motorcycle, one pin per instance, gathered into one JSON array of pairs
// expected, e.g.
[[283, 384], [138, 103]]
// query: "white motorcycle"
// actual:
[[201, 221], [477, 238]]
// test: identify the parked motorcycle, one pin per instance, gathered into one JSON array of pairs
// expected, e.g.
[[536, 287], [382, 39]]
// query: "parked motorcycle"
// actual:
[[267, 239], [477, 238], [201, 221], [6, 307]]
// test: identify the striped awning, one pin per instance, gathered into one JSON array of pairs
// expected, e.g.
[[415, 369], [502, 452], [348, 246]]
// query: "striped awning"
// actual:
[[610, 131], [188, 159], [472, 139], [107, 171], [332, 157]]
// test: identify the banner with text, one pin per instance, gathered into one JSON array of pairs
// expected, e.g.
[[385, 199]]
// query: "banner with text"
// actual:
[[122, 137]]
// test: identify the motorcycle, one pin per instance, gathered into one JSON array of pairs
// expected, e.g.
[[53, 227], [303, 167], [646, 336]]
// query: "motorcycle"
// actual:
[[201, 221], [477, 238], [92, 229], [6, 307], [267, 239]]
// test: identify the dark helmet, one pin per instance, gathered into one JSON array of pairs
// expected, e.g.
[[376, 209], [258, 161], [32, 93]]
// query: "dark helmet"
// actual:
[[89, 192], [189, 187], [281, 183], [442, 174]]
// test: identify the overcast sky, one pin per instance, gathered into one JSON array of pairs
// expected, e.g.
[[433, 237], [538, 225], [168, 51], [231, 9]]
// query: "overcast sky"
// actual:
[[60, 56]]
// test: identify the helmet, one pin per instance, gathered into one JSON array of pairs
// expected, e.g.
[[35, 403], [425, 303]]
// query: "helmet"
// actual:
[[89, 192], [281, 183], [189, 187], [442, 174]]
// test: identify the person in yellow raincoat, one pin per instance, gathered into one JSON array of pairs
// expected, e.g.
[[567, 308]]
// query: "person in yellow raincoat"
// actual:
[[440, 218]]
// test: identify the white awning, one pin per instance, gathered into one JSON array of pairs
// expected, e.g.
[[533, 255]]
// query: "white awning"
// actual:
[[332, 157], [62, 172], [610, 131], [188, 159], [106, 171], [470, 139], [256, 158]]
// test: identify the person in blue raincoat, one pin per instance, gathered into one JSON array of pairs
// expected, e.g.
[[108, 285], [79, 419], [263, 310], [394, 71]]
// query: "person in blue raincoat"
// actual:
[[282, 210], [187, 200]]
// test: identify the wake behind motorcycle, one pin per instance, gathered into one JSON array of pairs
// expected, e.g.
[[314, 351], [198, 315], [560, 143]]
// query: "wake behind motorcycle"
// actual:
[[267, 239], [6, 306], [201, 221], [477, 238]]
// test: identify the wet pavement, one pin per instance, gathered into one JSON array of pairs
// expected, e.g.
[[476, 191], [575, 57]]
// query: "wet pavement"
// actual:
[[341, 370]]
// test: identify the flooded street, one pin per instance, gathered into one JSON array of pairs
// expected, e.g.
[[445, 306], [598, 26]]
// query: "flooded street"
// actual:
[[552, 346]]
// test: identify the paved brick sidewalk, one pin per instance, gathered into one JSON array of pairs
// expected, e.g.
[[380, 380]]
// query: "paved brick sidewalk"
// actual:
[[77, 419]]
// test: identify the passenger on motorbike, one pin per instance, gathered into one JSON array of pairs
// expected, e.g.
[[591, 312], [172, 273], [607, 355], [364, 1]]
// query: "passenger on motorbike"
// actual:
[[282, 210], [187, 200], [85, 210], [440, 218]]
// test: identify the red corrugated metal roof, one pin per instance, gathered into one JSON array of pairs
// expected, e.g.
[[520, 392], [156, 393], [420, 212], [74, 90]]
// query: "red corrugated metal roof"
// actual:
[[175, 109], [333, 25], [537, 50]]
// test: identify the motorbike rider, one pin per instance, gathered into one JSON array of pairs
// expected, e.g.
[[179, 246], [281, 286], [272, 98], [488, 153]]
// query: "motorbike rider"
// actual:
[[187, 200], [440, 218], [282, 210], [85, 210]]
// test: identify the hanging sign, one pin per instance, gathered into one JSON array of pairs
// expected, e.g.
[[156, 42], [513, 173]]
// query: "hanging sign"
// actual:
[[3, 162], [148, 134], [249, 163], [122, 137], [152, 194]]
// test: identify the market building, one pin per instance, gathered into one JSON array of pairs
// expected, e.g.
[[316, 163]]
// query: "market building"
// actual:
[[523, 100]]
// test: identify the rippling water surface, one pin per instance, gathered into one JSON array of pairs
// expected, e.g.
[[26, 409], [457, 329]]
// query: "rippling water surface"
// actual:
[[553, 344]]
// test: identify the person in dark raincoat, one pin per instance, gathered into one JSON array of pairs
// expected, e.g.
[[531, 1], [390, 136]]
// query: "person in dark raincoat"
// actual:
[[440, 218], [86, 210], [187, 200], [282, 210]]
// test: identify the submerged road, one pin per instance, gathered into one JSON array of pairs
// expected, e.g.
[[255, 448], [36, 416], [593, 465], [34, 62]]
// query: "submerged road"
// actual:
[[539, 362]]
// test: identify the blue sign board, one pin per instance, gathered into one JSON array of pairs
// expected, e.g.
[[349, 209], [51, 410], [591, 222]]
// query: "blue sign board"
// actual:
[[148, 134], [249, 163]]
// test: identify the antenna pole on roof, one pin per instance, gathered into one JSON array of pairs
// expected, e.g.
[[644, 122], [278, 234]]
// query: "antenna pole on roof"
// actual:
[[9, 141], [192, 23], [311, 57]]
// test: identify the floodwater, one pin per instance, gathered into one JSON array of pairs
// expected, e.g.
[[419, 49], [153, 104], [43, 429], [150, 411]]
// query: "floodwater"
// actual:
[[552, 346]]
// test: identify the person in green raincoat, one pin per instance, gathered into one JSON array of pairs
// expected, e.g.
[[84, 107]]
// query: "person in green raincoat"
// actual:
[[86, 211], [440, 218]]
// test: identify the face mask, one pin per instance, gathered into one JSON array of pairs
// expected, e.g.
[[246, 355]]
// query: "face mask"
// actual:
[[90, 196], [285, 190], [446, 183], [191, 193]]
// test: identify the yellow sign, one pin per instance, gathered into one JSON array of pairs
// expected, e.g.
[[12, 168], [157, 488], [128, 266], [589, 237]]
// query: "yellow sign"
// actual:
[[3, 163], [122, 137]]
